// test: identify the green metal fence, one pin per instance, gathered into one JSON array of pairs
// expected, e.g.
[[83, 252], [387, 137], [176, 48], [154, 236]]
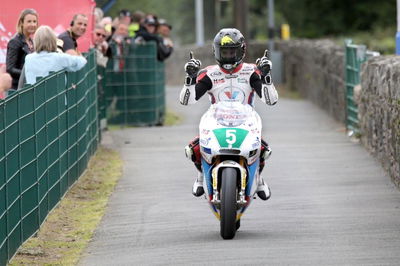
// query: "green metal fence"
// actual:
[[135, 86], [47, 134], [355, 56]]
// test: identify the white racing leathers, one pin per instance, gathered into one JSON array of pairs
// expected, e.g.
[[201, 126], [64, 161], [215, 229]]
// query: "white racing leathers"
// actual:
[[239, 85]]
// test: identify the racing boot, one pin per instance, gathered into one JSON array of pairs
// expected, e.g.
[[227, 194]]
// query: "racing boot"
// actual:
[[265, 154], [263, 191], [198, 189]]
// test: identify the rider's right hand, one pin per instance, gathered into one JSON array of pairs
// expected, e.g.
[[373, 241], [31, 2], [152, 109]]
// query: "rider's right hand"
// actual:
[[192, 67]]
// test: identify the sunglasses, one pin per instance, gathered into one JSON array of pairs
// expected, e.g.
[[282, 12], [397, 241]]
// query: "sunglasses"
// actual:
[[98, 34]]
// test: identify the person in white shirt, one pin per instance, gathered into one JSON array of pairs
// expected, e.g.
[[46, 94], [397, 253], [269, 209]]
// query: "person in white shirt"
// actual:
[[46, 59]]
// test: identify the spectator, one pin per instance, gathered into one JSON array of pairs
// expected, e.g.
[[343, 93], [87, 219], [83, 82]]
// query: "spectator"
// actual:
[[124, 17], [77, 29], [147, 31], [103, 51], [121, 33], [5, 82], [106, 22], [45, 59], [120, 39], [137, 19], [98, 15], [165, 47], [21, 44]]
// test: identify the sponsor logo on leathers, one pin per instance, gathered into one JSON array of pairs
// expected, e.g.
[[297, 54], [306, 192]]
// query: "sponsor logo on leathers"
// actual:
[[231, 95]]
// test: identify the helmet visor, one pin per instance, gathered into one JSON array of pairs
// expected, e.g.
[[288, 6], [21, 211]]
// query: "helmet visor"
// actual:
[[228, 55]]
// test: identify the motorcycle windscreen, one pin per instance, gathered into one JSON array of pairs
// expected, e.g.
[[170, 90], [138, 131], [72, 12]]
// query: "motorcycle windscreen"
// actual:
[[231, 114]]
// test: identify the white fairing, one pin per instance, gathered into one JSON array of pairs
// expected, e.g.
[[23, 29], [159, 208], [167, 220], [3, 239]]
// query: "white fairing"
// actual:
[[234, 119]]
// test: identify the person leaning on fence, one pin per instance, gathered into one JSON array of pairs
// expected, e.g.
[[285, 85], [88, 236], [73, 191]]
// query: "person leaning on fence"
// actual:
[[124, 17], [21, 44], [46, 59], [106, 22], [148, 32], [120, 42], [77, 28], [103, 50], [137, 19], [166, 47]]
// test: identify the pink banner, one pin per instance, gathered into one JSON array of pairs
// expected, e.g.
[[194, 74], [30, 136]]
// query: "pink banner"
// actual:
[[54, 13]]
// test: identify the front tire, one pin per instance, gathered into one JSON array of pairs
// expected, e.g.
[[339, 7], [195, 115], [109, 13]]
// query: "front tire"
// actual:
[[228, 203]]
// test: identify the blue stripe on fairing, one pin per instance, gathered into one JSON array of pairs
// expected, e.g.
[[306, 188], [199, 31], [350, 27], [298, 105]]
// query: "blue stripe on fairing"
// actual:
[[207, 175], [252, 174], [207, 150]]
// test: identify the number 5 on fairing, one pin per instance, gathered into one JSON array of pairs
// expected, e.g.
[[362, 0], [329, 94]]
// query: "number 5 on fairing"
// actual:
[[231, 137]]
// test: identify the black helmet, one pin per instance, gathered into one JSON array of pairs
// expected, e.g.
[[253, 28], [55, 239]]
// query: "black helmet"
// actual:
[[229, 48]]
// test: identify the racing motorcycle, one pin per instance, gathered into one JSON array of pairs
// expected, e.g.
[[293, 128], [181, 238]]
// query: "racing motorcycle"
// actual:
[[230, 146]]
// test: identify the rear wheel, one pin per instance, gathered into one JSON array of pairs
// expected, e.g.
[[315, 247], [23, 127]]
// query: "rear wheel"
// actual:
[[228, 203]]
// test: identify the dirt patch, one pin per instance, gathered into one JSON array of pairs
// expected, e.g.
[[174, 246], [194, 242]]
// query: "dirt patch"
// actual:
[[69, 227]]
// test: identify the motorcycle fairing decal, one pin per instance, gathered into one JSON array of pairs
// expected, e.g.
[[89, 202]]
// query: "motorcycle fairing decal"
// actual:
[[230, 137], [207, 150], [252, 174], [207, 175]]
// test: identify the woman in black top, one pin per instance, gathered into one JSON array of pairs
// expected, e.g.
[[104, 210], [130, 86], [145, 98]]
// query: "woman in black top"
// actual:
[[21, 44]]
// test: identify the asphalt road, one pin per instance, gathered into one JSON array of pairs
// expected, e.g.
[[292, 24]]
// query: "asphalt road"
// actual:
[[331, 204]]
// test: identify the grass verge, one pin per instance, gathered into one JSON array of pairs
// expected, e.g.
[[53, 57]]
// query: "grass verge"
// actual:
[[171, 119], [69, 227], [285, 92]]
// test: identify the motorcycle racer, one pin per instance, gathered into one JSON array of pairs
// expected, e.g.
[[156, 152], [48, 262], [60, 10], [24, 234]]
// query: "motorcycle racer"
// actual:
[[230, 80]]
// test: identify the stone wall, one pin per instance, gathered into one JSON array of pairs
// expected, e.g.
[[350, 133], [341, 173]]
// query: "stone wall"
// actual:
[[315, 68], [379, 111]]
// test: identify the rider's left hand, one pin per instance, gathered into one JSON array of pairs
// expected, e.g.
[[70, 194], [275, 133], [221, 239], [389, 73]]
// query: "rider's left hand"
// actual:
[[264, 65]]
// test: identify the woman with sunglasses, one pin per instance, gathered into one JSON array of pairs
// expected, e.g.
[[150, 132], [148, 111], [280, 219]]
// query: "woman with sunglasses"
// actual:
[[99, 42]]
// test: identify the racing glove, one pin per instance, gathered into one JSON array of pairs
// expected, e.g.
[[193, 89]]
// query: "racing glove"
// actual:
[[264, 65], [192, 67]]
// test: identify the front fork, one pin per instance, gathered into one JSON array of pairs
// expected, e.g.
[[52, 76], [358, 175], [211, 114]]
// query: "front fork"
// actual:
[[215, 198]]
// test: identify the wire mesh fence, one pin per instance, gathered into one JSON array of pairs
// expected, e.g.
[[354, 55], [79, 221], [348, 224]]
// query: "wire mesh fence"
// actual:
[[48, 132], [135, 86]]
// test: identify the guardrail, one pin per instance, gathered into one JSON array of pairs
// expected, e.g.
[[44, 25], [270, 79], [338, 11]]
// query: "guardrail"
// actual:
[[354, 57], [48, 132]]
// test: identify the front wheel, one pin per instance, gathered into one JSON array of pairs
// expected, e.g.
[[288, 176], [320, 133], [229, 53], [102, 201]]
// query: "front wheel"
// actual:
[[228, 203]]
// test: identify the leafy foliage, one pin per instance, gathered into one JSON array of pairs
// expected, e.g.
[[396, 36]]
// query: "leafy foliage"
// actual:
[[313, 19], [307, 18]]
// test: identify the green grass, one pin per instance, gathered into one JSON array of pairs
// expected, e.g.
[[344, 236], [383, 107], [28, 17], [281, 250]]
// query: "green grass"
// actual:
[[70, 226], [285, 92], [379, 39], [171, 119]]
